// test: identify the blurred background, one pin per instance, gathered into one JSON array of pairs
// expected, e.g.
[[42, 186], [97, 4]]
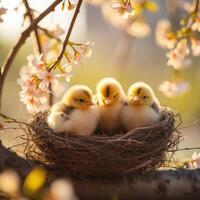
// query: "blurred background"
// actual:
[[144, 61]]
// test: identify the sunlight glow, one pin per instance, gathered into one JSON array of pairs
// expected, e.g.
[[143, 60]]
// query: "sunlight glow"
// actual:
[[11, 28]]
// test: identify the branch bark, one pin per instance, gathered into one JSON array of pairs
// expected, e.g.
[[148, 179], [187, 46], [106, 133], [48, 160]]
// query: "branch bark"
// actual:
[[29, 13], [68, 35], [196, 6], [169, 184], [9, 159], [25, 34], [164, 184]]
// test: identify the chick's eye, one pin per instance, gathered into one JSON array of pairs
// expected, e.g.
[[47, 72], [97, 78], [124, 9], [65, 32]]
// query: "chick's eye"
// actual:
[[144, 97], [81, 100], [114, 96]]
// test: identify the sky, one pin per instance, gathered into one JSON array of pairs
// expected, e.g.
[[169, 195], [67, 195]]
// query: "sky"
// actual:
[[12, 26]]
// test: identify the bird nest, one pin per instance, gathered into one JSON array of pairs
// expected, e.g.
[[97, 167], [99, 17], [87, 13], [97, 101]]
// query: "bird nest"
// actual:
[[141, 150]]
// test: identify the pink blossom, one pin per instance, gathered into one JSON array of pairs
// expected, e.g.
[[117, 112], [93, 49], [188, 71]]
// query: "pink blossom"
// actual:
[[34, 80], [9, 182], [86, 49], [35, 63], [62, 189], [122, 9], [46, 78], [113, 17], [194, 163], [67, 74], [195, 47], [177, 57], [25, 77], [82, 51], [139, 29], [182, 48], [34, 105], [173, 89], [196, 25], [163, 34]]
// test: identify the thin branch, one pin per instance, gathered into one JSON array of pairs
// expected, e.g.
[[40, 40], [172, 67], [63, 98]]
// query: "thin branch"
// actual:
[[29, 13], [188, 148], [50, 34], [11, 56], [196, 6], [68, 35]]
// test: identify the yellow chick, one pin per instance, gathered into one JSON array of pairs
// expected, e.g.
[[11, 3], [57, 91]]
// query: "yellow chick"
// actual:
[[143, 107], [111, 98], [76, 113]]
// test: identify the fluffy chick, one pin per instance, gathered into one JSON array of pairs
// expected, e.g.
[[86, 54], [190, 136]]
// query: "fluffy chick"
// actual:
[[111, 98], [143, 107], [76, 113]]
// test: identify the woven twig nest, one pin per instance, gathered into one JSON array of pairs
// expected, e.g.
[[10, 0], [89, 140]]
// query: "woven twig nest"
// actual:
[[141, 150]]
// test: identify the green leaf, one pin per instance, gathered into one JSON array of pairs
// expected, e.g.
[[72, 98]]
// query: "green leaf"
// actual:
[[151, 6]]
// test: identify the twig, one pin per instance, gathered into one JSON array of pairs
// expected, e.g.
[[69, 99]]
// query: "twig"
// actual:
[[187, 149], [196, 6], [197, 122], [52, 36], [28, 9], [25, 34], [49, 34], [192, 19], [68, 35]]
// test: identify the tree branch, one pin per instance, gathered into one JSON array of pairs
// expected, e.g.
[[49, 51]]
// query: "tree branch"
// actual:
[[68, 35], [11, 56], [9, 159], [164, 184], [196, 6], [28, 9]]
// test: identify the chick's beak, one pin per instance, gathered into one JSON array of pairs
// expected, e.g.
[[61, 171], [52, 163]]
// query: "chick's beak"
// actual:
[[136, 98], [107, 101]]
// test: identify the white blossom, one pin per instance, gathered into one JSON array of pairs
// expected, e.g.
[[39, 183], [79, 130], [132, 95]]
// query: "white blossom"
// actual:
[[177, 57], [9, 182], [195, 47], [139, 29], [196, 24], [194, 163], [124, 10], [163, 34], [173, 89], [62, 189]]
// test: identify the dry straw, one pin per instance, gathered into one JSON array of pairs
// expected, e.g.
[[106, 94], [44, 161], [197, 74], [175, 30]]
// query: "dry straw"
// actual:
[[142, 150]]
